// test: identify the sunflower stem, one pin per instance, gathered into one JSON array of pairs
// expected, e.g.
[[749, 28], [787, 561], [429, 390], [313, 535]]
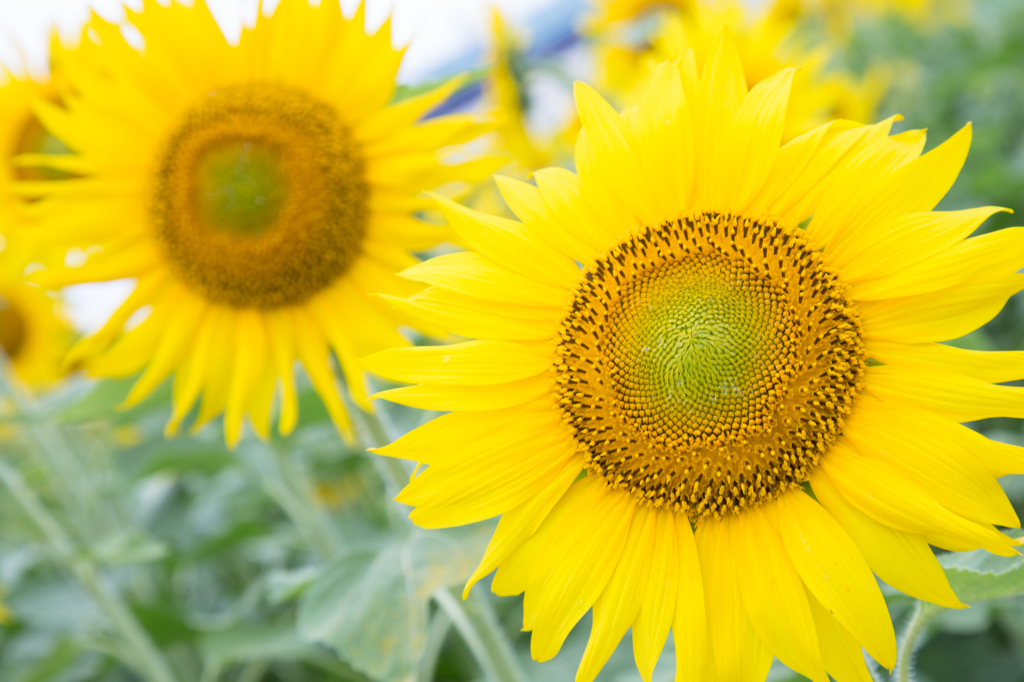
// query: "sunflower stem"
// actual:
[[440, 624], [378, 433], [148, 658], [923, 614], [285, 483], [479, 628]]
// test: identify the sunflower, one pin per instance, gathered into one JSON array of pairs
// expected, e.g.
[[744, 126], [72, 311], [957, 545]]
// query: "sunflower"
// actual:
[[693, 409], [256, 192], [34, 334], [766, 44]]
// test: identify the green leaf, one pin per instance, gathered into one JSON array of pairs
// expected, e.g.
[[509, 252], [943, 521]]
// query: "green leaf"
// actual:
[[255, 643], [372, 606], [978, 576]]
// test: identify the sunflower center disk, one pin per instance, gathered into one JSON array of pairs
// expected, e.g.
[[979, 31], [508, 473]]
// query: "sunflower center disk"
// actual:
[[13, 331], [261, 197], [706, 364]]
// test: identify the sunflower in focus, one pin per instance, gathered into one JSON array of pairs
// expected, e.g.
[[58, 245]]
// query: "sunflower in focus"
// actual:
[[256, 192], [706, 393], [765, 46]]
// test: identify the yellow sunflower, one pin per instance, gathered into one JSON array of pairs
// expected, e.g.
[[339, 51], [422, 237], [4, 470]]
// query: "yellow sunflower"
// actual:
[[33, 330], [765, 46], [692, 413], [34, 333], [256, 192]]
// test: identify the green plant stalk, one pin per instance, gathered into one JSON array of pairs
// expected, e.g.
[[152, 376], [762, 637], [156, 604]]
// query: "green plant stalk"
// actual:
[[440, 624], [149, 659], [479, 628], [923, 614], [288, 485], [392, 472]]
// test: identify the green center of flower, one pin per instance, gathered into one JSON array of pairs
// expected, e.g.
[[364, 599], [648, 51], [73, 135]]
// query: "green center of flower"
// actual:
[[706, 364], [261, 198], [688, 348], [242, 187]]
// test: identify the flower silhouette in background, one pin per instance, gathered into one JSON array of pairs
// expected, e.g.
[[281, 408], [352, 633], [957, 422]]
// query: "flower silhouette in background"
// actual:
[[707, 394], [34, 333], [765, 43], [256, 191]]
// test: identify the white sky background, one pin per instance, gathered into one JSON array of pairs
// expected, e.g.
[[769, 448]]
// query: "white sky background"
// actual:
[[438, 32]]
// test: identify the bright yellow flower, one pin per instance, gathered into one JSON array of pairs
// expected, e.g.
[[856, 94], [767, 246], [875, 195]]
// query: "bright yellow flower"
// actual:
[[33, 331], [257, 192], [504, 89], [610, 11], [840, 13], [765, 46], [661, 323]]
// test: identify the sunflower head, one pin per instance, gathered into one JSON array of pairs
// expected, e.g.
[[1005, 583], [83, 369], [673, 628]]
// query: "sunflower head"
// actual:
[[705, 393], [258, 192]]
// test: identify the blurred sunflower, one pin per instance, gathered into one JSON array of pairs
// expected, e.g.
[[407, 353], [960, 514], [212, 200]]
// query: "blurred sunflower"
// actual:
[[256, 191], [840, 13], [669, 365], [33, 331], [765, 46]]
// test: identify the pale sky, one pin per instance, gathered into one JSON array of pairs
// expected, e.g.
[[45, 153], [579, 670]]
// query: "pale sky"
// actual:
[[436, 30]]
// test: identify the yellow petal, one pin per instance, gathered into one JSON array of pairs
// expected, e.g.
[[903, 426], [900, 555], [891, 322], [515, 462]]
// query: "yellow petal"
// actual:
[[282, 356], [530, 563], [580, 567], [620, 602], [562, 191], [756, 136], [841, 227], [652, 625], [991, 254], [904, 560], [607, 162], [517, 525], [311, 348], [469, 398], [511, 244], [473, 363], [485, 487], [991, 366], [528, 203], [721, 91], [665, 139], [927, 448], [175, 342], [472, 274], [250, 351], [188, 381], [457, 436], [690, 625], [940, 315], [955, 396], [836, 574], [477, 318], [737, 652], [912, 238], [841, 653], [773, 595], [884, 493]]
